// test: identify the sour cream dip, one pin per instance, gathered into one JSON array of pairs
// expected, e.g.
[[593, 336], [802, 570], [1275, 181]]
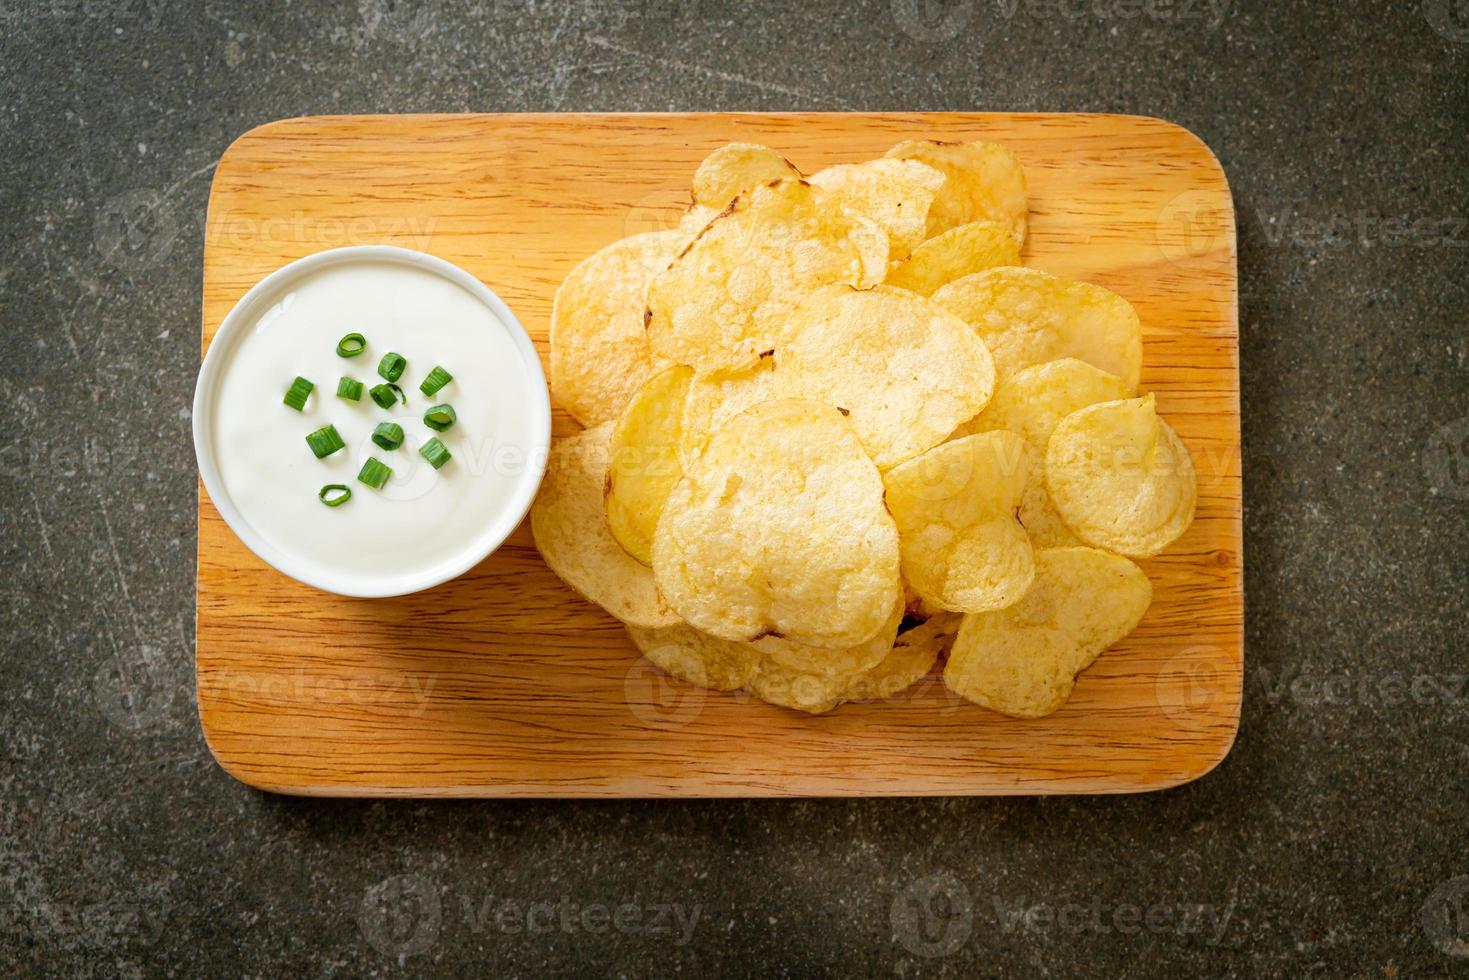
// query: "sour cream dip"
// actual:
[[423, 526]]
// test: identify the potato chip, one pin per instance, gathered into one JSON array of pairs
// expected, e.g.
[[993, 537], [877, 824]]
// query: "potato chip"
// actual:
[[779, 529], [1121, 478], [896, 194], [696, 657], [1038, 516], [934, 634], [736, 168], [692, 223], [1031, 402], [719, 396], [901, 665], [910, 660], [983, 182], [822, 405], [904, 370], [784, 687], [645, 460], [1023, 661], [569, 525], [723, 302], [599, 348], [824, 660], [956, 253], [962, 548], [1029, 317], [913, 604]]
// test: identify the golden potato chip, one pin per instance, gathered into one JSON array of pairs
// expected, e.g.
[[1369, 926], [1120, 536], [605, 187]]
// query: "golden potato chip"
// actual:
[[901, 665], [645, 460], [779, 529], [1038, 516], [693, 221], [599, 348], [935, 634], [1023, 661], [913, 604], [736, 168], [984, 182], [904, 370], [896, 194], [719, 396], [825, 660], [696, 657], [1121, 478], [956, 253], [910, 660], [1029, 317], [1031, 402], [784, 687], [569, 525], [722, 303], [962, 548]]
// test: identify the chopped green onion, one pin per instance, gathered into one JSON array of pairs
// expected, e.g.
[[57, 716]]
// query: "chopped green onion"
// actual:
[[299, 391], [374, 473], [440, 417], [391, 366], [399, 392], [351, 345], [436, 379], [388, 435], [435, 452], [349, 389], [335, 494], [325, 441], [383, 395]]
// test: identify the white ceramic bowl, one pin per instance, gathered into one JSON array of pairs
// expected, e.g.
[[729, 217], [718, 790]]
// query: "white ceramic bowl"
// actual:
[[478, 542]]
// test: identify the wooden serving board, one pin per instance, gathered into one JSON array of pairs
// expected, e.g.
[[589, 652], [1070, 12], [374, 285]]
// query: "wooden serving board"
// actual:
[[504, 682]]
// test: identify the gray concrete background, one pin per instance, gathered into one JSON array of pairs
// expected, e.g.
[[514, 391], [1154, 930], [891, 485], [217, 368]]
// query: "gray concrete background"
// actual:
[[1331, 842]]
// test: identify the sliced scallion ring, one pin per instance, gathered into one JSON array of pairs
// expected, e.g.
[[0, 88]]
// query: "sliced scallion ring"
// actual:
[[297, 394], [436, 379], [388, 435], [374, 473], [335, 494], [440, 417], [351, 345], [435, 452], [391, 366], [383, 395], [325, 441], [350, 389]]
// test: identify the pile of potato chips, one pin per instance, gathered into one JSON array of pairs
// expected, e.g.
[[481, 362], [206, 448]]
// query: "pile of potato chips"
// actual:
[[836, 431]]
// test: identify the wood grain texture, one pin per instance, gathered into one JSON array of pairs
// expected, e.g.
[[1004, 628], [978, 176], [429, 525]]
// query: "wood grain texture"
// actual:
[[504, 682]]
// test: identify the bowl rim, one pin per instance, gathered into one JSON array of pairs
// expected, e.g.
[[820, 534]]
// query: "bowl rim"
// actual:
[[243, 315]]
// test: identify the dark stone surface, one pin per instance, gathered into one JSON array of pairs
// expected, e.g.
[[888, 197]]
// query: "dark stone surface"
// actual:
[[1332, 841]]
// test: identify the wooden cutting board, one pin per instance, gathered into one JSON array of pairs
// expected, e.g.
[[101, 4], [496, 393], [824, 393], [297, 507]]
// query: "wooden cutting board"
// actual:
[[504, 682]]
